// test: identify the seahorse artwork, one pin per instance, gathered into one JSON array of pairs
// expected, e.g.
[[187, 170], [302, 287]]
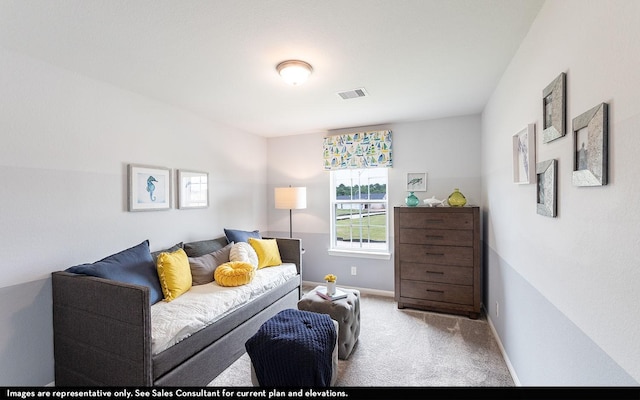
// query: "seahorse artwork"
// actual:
[[151, 187]]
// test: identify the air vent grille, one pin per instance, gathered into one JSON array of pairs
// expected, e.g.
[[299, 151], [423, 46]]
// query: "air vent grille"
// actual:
[[352, 94]]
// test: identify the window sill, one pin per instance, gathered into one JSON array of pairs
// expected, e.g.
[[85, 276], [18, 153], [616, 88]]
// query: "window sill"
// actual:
[[360, 254]]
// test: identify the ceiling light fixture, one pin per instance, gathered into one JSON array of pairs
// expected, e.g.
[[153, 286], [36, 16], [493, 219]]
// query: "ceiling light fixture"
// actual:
[[294, 72]]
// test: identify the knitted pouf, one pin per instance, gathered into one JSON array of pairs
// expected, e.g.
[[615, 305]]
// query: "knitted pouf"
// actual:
[[294, 348]]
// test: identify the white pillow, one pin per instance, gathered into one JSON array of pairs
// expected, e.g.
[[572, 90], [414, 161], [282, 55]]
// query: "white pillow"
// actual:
[[243, 251]]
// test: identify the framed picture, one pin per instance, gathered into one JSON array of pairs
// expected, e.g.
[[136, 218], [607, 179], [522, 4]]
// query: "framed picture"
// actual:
[[524, 155], [554, 109], [590, 148], [416, 182], [149, 188], [547, 192], [193, 189]]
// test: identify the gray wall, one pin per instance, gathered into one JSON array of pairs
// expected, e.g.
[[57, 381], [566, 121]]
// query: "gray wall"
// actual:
[[447, 149], [567, 287], [66, 142]]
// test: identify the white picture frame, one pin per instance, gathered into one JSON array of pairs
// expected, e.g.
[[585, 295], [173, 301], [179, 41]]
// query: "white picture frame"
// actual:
[[193, 189], [524, 155], [149, 188], [416, 182]]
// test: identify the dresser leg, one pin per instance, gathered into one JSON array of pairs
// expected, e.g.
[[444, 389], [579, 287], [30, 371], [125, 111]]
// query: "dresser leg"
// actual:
[[474, 315], [400, 305]]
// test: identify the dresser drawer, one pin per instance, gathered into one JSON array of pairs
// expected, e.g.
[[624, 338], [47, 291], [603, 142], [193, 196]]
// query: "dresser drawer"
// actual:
[[456, 294], [436, 220], [436, 273], [441, 255], [447, 237]]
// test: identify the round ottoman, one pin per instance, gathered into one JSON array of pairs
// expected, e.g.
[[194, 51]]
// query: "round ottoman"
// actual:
[[345, 311]]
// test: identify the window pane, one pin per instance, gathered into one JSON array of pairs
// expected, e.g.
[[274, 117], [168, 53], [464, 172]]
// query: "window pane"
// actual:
[[360, 209]]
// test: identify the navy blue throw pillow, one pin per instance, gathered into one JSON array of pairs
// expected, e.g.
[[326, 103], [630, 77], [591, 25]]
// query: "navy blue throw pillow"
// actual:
[[134, 265], [235, 235]]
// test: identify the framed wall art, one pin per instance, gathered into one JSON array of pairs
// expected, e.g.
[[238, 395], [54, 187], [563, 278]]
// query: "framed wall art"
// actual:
[[547, 172], [590, 147], [193, 189], [524, 155], [554, 109], [149, 188], [416, 182]]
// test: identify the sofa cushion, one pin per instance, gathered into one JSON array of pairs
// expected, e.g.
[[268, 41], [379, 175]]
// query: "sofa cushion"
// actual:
[[234, 273], [202, 247], [202, 267], [236, 235], [243, 251], [174, 274], [133, 265], [267, 251], [155, 254]]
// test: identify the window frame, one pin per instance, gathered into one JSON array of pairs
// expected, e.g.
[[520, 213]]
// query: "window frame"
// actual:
[[385, 253]]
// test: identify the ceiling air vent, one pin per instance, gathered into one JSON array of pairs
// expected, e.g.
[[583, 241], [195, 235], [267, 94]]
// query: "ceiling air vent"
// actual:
[[352, 94]]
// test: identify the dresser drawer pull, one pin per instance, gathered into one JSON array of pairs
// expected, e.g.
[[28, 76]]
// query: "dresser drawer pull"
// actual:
[[435, 272], [435, 291], [434, 254], [433, 237]]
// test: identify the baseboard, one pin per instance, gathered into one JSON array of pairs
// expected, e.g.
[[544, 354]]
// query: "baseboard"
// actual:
[[514, 376], [375, 292]]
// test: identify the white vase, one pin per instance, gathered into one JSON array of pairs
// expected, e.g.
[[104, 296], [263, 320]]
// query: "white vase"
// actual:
[[331, 288]]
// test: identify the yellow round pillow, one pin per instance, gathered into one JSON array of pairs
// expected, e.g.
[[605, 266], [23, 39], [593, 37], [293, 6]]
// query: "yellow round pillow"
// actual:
[[234, 273]]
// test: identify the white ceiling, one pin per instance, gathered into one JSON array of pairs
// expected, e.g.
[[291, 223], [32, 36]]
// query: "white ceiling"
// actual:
[[417, 59]]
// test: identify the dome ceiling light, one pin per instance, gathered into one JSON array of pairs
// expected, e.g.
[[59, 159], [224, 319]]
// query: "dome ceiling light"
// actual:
[[294, 72]]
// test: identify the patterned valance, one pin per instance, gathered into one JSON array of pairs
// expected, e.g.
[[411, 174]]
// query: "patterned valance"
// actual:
[[358, 150]]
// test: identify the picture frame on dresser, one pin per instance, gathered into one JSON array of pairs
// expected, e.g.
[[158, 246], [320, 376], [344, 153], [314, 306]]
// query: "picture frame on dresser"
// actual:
[[193, 189], [149, 188], [416, 182], [590, 147], [524, 155], [554, 108]]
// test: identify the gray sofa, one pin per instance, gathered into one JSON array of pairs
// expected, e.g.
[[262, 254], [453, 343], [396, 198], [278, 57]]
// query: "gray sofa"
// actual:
[[102, 330]]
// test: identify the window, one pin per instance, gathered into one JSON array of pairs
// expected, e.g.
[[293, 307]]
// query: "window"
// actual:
[[359, 217]]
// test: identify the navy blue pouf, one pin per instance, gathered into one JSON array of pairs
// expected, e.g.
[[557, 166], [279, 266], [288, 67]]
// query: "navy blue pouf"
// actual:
[[294, 348]]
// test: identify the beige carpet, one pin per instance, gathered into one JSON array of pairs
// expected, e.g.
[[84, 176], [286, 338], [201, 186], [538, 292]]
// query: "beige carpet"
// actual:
[[409, 348]]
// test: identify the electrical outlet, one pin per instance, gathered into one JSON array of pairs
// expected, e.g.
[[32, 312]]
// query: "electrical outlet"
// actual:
[[497, 309], [353, 271]]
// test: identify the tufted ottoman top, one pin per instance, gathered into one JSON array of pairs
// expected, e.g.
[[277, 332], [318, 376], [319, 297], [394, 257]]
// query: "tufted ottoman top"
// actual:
[[346, 311]]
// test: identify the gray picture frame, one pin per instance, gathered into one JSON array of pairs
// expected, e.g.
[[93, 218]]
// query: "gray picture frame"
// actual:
[[149, 188], [590, 147], [547, 190], [554, 108], [192, 189]]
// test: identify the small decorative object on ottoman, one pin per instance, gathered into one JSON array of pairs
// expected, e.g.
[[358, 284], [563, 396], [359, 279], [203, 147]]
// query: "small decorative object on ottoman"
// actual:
[[346, 311], [294, 348]]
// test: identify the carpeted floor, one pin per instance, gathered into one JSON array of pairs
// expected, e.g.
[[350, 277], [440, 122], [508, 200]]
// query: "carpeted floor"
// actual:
[[409, 348]]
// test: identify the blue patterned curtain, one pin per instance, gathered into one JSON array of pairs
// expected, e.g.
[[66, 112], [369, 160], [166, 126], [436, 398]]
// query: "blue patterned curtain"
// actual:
[[358, 150]]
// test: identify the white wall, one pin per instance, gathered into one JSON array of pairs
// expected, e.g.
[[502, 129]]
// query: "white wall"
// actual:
[[584, 263], [66, 143], [447, 149]]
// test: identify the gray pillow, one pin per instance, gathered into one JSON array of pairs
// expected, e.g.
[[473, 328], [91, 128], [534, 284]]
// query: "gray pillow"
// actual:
[[202, 247], [203, 267]]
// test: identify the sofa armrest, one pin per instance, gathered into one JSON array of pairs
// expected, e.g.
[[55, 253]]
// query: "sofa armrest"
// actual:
[[102, 332]]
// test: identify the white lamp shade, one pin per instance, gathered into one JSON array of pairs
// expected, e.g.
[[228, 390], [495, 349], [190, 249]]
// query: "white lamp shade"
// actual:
[[291, 198]]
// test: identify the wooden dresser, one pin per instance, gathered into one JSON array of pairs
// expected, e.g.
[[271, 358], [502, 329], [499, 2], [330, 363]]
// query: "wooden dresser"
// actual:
[[437, 259]]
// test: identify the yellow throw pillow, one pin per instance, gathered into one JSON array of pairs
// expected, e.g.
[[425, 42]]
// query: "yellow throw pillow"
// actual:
[[234, 273], [174, 273], [268, 252]]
